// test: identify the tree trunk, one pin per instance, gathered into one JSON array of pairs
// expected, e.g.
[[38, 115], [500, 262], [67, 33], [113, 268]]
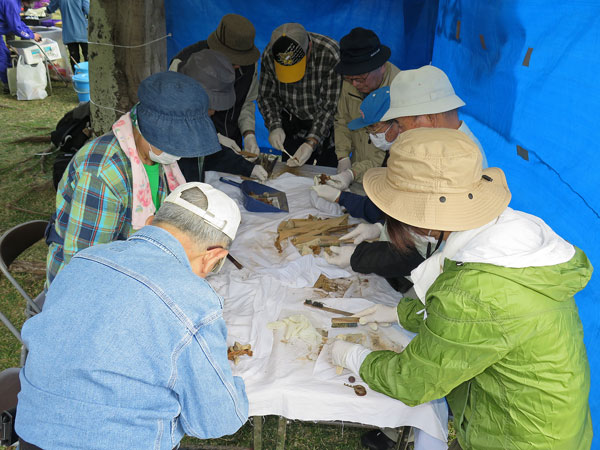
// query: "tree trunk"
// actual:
[[116, 72]]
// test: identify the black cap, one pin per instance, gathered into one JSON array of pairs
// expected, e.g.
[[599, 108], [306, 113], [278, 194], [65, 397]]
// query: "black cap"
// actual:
[[361, 52]]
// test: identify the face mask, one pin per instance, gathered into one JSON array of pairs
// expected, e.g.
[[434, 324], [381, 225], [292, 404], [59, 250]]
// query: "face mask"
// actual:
[[427, 245], [163, 158], [380, 141]]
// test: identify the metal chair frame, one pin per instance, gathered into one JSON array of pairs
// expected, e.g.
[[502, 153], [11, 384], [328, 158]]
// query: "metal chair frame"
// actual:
[[12, 244]]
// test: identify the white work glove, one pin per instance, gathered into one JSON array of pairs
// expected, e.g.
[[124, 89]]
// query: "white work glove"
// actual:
[[348, 355], [341, 180], [364, 232], [277, 138], [260, 173], [329, 193], [250, 144], [301, 155], [380, 314], [228, 142], [344, 164], [330, 208], [341, 255]]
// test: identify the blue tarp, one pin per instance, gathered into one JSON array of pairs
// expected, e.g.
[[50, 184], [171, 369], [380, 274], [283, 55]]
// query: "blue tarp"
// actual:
[[541, 102]]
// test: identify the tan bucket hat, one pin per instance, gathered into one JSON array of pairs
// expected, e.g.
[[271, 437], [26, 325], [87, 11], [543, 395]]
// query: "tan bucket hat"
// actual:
[[434, 180], [234, 37]]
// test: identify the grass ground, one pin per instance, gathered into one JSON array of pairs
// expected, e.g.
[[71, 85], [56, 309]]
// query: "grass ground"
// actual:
[[26, 193]]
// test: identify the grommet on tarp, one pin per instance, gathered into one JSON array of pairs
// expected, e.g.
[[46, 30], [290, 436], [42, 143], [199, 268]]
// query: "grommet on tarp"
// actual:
[[458, 30], [527, 57], [442, 199], [523, 153], [470, 196], [487, 178], [482, 40]]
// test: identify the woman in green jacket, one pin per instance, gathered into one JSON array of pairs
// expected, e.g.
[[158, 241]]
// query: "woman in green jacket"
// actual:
[[498, 329]]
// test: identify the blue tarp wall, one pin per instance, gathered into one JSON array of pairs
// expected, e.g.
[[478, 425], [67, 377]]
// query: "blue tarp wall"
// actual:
[[529, 73]]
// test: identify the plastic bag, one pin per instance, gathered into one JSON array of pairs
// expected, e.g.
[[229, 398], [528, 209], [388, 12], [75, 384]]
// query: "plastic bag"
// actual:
[[31, 81]]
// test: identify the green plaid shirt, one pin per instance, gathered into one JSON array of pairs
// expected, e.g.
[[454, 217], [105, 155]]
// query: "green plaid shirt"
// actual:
[[93, 201]]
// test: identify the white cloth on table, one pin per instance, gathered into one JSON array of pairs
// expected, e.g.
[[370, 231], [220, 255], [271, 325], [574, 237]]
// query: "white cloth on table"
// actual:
[[272, 286]]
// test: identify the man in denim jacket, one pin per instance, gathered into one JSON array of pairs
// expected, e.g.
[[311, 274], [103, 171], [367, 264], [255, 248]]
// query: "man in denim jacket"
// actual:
[[130, 349]]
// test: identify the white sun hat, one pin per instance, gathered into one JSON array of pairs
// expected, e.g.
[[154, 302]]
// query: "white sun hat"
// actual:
[[426, 90]]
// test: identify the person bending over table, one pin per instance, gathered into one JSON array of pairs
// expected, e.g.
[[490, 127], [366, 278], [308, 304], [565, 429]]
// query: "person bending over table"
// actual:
[[417, 98], [298, 93], [498, 329], [215, 73], [130, 349], [115, 182]]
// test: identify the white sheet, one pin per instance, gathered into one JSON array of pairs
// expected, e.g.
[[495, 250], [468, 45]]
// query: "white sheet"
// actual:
[[279, 376]]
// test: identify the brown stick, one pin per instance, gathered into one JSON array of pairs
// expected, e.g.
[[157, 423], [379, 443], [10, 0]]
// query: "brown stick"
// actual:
[[235, 262]]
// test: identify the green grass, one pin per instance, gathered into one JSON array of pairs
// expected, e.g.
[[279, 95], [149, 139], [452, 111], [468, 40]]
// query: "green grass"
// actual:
[[26, 193]]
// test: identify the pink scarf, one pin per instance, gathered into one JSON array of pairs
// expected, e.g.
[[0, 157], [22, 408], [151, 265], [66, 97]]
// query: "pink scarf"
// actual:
[[143, 207]]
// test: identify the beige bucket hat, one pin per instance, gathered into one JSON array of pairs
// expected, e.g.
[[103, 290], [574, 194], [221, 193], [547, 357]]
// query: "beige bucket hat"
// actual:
[[426, 90], [434, 180]]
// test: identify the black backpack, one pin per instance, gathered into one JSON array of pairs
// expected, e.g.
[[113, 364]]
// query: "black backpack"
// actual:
[[71, 133]]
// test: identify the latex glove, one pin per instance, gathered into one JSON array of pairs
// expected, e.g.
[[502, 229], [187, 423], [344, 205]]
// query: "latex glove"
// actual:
[[344, 164], [330, 208], [348, 355], [277, 138], [301, 155], [228, 142], [259, 172], [341, 180], [327, 192], [250, 144], [341, 255], [380, 314], [364, 232]]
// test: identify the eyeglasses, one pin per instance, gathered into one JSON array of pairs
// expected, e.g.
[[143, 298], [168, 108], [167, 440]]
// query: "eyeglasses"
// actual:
[[359, 79], [378, 128]]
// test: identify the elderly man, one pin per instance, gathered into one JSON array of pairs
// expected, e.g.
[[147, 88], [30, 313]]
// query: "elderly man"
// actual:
[[298, 94], [417, 98], [216, 75], [115, 182], [130, 349], [234, 38], [365, 67]]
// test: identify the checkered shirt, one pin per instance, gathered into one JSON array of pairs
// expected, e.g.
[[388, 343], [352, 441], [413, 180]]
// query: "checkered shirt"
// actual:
[[314, 97], [93, 201]]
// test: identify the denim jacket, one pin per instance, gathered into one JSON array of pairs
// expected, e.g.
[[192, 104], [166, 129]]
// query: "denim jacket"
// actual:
[[129, 352]]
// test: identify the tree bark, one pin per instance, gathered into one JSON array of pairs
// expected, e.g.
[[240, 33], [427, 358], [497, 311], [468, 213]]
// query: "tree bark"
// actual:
[[116, 72]]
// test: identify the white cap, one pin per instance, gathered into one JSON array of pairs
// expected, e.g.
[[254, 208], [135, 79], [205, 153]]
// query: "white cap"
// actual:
[[426, 90], [222, 212]]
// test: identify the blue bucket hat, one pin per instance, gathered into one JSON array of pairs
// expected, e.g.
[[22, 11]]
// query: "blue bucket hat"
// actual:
[[172, 115], [372, 108]]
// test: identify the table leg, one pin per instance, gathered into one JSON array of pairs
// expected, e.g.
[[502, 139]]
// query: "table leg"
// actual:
[[257, 421], [403, 438], [281, 430]]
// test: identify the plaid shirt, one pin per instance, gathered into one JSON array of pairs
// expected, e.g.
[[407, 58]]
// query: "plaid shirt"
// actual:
[[93, 202], [314, 97]]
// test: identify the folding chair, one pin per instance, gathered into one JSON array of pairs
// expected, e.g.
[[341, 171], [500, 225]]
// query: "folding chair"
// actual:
[[12, 243]]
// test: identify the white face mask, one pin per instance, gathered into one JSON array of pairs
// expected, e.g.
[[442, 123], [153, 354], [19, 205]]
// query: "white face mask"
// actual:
[[426, 245], [380, 141], [163, 158]]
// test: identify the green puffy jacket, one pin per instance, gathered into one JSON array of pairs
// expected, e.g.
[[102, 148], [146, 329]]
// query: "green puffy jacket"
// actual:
[[505, 346]]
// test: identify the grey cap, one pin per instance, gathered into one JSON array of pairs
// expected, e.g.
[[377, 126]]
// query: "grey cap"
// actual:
[[214, 72]]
